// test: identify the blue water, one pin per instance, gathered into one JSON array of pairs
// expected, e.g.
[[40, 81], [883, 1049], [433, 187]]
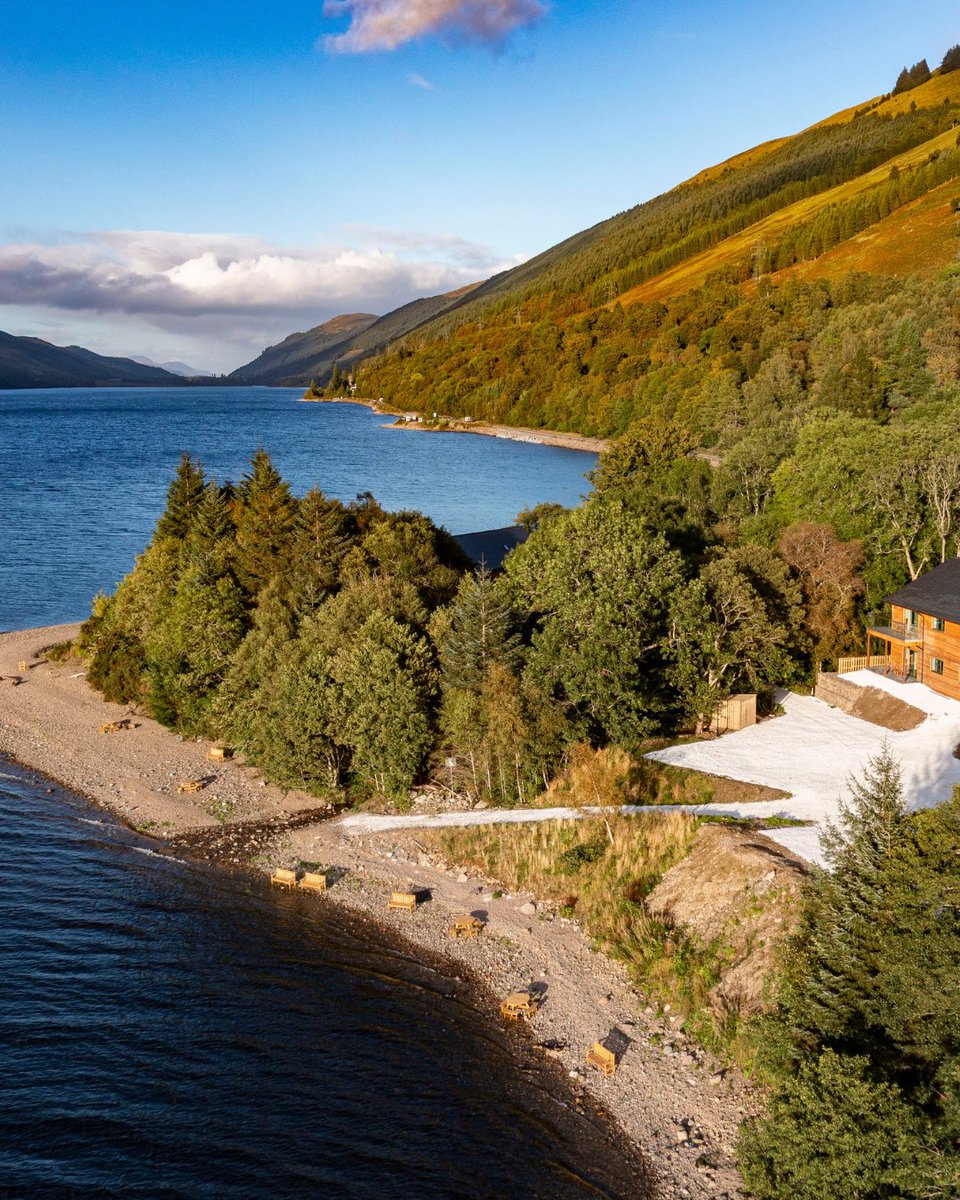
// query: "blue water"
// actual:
[[173, 1030], [169, 1029], [84, 473]]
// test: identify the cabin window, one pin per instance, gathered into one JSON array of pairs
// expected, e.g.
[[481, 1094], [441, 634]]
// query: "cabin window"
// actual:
[[936, 666], [938, 624], [910, 617]]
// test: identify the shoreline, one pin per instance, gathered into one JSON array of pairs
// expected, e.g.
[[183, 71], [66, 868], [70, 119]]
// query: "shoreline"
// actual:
[[511, 433], [674, 1105]]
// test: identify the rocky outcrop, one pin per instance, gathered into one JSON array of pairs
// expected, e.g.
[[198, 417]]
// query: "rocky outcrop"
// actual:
[[738, 892]]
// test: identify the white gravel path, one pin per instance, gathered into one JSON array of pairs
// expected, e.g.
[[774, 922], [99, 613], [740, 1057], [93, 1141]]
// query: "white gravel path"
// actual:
[[812, 751]]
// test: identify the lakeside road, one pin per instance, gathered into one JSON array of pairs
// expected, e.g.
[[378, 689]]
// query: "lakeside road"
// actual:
[[667, 1096], [510, 433]]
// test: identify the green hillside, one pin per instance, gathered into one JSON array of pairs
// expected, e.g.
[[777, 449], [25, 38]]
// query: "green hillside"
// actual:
[[298, 355], [569, 339], [28, 362], [341, 341]]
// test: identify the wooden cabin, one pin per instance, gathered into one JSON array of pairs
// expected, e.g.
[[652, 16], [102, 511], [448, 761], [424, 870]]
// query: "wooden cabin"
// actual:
[[922, 641]]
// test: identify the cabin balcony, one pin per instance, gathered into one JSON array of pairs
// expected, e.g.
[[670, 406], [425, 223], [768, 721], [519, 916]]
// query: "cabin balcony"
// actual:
[[897, 631]]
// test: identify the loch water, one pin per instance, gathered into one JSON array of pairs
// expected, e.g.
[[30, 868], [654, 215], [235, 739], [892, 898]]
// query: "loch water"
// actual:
[[84, 474], [171, 1029]]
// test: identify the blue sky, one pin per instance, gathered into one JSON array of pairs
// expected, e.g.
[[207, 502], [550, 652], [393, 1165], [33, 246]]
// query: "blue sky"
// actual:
[[197, 180]]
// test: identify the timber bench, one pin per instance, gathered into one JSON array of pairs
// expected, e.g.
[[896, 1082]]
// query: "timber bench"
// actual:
[[314, 881], [115, 726], [517, 1005], [403, 901], [466, 926], [603, 1059], [283, 878], [190, 786], [219, 753]]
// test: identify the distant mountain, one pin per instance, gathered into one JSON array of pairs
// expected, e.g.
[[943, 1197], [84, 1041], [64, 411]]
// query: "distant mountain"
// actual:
[[28, 362], [296, 359], [175, 368], [302, 357]]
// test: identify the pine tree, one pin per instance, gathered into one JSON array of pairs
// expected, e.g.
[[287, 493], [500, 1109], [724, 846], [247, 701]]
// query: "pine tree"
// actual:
[[951, 60], [184, 496], [482, 632], [320, 541], [266, 512], [865, 1047]]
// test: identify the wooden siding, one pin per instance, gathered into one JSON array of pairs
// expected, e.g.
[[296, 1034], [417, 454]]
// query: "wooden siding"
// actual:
[[942, 644]]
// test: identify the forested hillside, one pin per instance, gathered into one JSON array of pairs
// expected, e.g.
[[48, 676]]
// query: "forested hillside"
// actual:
[[582, 336], [27, 362]]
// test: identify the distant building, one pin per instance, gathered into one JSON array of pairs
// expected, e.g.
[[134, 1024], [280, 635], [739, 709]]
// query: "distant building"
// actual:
[[490, 547]]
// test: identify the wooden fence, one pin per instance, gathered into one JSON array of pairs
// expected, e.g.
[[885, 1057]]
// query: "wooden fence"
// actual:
[[845, 665]]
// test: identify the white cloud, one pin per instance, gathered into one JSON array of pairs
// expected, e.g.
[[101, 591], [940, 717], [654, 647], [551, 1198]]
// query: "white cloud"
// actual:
[[229, 290], [388, 24], [420, 82]]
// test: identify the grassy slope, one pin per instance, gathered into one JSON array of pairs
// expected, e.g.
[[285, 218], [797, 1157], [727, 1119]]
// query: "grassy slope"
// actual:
[[606, 264], [693, 271], [920, 237]]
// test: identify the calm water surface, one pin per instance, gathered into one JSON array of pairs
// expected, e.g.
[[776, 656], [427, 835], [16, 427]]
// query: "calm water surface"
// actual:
[[172, 1030], [84, 474]]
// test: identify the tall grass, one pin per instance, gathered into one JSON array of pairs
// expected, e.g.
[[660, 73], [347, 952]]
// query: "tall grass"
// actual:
[[600, 870]]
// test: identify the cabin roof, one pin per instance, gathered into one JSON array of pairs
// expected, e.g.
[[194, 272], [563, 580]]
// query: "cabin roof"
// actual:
[[936, 593], [490, 547]]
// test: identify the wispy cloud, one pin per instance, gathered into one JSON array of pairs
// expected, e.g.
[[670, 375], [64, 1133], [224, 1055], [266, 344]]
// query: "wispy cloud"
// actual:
[[420, 82], [240, 289], [387, 24]]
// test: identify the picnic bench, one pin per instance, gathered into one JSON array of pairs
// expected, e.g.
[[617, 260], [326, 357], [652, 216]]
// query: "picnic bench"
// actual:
[[599, 1056], [517, 1005], [314, 881], [283, 878], [190, 786], [115, 726], [465, 925], [219, 753], [404, 901]]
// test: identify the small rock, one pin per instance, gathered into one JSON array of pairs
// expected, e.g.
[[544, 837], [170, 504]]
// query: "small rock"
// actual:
[[528, 909], [461, 878]]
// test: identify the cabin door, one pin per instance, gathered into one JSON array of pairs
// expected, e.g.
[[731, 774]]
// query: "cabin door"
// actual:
[[910, 663]]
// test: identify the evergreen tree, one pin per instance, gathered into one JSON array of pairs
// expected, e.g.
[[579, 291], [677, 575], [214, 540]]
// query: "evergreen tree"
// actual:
[[210, 548], [184, 497], [482, 632], [321, 539], [266, 512], [386, 685], [864, 1050], [951, 60]]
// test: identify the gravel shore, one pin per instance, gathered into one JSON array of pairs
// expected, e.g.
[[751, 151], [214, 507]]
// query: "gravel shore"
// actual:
[[671, 1100]]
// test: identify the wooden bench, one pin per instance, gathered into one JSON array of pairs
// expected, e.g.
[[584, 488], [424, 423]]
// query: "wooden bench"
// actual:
[[517, 1005], [219, 753], [602, 1058], [465, 925], [283, 878], [190, 786], [115, 726], [404, 901], [314, 881]]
